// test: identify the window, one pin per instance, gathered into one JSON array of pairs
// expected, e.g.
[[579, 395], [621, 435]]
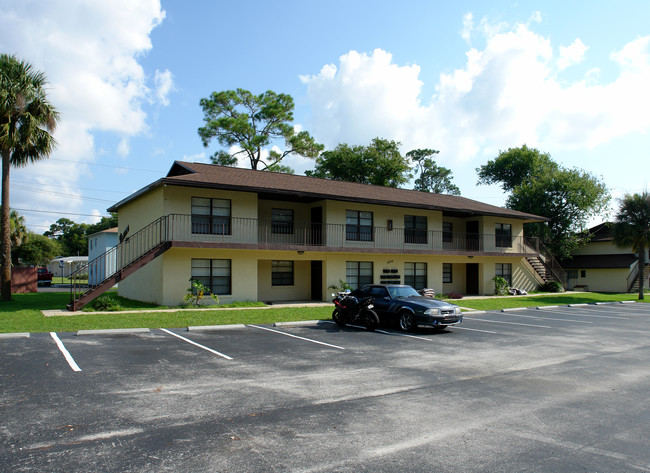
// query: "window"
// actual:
[[415, 275], [415, 229], [505, 271], [282, 221], [282, 273], [583, 273], [358, 273], [210, 216], [379, 292], [358, 225], [446, 272], [503, 235], [214, 273], [447, 232]]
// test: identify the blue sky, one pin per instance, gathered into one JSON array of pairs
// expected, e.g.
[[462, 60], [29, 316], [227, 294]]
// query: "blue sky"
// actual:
[[467, 78]]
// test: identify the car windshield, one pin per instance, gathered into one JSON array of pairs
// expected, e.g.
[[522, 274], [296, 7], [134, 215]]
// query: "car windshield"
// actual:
[[400, 292]]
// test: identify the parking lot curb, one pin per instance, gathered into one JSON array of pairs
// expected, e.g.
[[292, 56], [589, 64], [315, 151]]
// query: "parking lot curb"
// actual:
[[513, 309], [472, 312], [114, 331], [542, 307], [627, 302], [14, 335], [583, 304], [214, 328], [297, 323]]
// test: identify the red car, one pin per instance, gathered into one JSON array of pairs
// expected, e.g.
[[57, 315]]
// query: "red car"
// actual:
[[44, 276]]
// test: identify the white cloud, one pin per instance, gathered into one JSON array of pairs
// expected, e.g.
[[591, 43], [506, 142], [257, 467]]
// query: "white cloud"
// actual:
[[468, 26], [123, 147], [164, 85], [506, 94], [89, 52], [573, 54]]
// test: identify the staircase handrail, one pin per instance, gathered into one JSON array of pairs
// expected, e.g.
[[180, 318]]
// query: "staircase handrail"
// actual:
[[548, 260], [634, 273], [128, 250]]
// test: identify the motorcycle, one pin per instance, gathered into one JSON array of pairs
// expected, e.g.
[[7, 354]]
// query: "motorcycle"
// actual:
[[349, 310]]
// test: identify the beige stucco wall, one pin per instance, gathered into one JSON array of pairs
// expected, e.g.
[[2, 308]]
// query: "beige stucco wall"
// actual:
[[178, 200], [335, 214], [603, 280], [300, 291], [146, 284], [139, 213]]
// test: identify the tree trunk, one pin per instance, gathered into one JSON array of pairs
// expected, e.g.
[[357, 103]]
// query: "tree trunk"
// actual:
[[641, 269], [5, 231]]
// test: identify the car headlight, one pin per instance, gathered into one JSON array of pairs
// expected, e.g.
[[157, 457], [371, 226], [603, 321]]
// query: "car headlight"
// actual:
[[432, 312], [457, 310]]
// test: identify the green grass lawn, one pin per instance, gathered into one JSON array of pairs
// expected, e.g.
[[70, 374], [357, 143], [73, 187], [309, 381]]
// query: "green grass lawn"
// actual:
[[23, 314], [497, 303]]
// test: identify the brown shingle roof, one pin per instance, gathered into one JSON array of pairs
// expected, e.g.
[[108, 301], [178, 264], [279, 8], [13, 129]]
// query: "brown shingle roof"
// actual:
[[312, 189]]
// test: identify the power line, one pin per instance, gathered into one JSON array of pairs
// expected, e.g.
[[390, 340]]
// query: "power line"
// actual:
[[94, 199], [54, 212], [106, 165], [69, 187]]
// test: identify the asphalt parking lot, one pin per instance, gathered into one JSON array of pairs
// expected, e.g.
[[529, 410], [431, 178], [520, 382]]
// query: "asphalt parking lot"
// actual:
[[562, 389]]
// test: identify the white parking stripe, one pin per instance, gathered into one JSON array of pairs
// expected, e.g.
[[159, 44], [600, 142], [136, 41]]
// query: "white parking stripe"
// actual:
[[404, 335], [551, 318], [476, 319], [196, 344], [66, 353], [588, 315], [475, 329], [296, 336]]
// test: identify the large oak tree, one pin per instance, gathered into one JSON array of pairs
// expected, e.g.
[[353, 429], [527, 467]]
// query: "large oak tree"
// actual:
[[538, 185]]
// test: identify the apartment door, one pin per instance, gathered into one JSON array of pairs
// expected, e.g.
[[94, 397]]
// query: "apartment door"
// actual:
[[472, 236], [316, 223], [316, 280], [471, 278]]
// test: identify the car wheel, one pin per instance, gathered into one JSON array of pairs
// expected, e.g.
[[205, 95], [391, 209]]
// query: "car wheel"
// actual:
[[336, 317], [407, 321], [370, 320]]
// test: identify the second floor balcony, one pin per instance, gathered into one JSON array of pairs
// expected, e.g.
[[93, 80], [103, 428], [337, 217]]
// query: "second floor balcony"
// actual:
[[233, 232]]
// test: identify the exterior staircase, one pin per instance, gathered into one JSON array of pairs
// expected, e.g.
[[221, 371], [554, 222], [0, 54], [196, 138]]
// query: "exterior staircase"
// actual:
[[544, 264], [633, 279], [119, 262]]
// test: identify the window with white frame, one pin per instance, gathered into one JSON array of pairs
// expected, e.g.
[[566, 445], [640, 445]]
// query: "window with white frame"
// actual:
[[215, 274], [210, 216], [282, 273], [415, 275], [358, 273], [505, 271]]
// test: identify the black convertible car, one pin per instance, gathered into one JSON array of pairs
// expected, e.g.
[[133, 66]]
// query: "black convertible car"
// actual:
[[404, 305]]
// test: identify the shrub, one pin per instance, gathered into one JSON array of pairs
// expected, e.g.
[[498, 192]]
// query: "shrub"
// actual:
[[107, 302], [500, 286], [196, 291], [552, 286], [455, 295]]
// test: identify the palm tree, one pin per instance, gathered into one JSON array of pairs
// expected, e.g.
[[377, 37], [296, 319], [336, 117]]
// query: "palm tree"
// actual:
[[26, 120], [632, 228]]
